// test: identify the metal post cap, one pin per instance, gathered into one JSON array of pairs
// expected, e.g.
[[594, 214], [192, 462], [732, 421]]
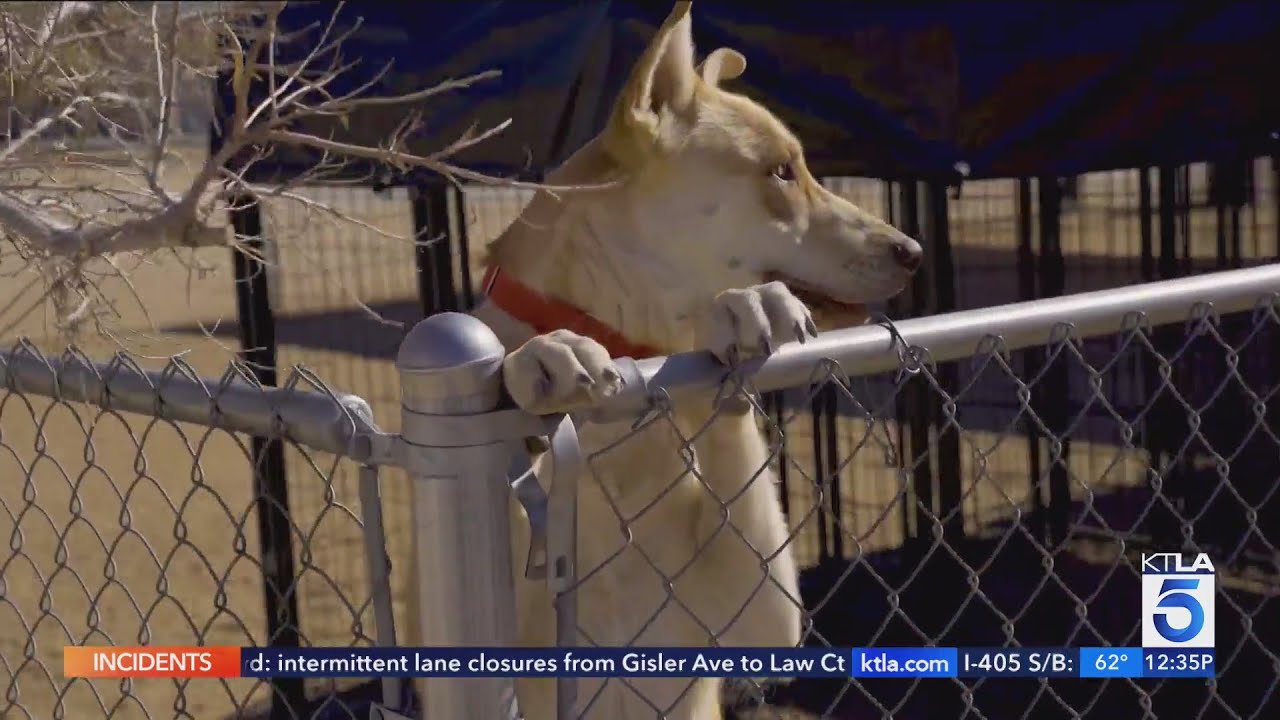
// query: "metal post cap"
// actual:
[[447, 340], [450, 363]]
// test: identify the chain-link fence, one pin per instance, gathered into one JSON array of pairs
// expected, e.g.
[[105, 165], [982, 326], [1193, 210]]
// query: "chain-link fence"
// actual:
[[129, 519], [1000, 568], [1017, 561]]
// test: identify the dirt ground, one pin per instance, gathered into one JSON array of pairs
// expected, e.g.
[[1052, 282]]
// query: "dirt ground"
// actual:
[[123, 530]]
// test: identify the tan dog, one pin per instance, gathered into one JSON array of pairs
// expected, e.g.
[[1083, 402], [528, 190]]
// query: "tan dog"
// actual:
[[714, 232]]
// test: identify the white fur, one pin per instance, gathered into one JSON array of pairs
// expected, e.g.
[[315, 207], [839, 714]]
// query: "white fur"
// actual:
[[676, 532], [682, 540]]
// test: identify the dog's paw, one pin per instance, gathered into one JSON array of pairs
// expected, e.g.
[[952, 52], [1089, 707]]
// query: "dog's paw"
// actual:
[[555, 371], [754, 321], [753, 697]]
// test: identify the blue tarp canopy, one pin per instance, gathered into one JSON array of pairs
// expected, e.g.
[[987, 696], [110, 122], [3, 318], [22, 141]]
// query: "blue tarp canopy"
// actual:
[[876, 88]]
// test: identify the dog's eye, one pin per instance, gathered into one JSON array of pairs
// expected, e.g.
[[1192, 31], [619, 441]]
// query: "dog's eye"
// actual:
[[784, 172]]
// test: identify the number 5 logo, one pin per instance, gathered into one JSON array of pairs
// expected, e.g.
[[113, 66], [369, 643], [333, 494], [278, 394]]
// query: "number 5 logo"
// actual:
[[1173, 595]]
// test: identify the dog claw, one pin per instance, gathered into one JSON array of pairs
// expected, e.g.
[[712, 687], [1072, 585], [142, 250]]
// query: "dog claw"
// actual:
[[584, 379], [811, 326], [801, 336], [615, 379], [766, 344]]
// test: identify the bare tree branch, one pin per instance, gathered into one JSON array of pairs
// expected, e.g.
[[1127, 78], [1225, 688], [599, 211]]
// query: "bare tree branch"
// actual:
[[96, 98]]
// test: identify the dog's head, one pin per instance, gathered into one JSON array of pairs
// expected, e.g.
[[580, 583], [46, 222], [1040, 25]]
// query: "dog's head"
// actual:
[[725, 192]]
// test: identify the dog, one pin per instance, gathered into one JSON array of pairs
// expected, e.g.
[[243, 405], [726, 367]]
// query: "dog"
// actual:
[[706, 231]]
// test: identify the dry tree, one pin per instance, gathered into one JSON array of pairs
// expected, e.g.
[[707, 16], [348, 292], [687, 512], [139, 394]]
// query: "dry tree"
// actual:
[[89, 89]]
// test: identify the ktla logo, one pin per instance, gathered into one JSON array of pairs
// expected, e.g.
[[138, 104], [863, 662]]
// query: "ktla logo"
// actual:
[[1177, 601]]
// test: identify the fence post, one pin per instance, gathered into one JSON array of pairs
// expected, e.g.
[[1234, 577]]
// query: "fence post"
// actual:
[[936, 237], [270, 481], [450, 368], [434, 247], [1030, 359], [1053, 392]]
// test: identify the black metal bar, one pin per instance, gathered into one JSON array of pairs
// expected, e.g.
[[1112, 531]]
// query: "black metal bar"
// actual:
[[1167, 266], [1236, 259], [270, 483], [1055, 384], [821, 474], [434, 245], [918, 405], [256, 321], [1269, 516], [1275, 200], [1183, 186], [950, 482], [1145, 229], [898, 308], [1031, 358], [830, 406], [1229, 190], [1150, 435], [464, 249], [1165, 527], [1241, 197], [1220, 233]]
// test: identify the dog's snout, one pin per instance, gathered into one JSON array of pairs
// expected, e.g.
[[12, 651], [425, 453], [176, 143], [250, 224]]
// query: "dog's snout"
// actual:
[[907, 253]]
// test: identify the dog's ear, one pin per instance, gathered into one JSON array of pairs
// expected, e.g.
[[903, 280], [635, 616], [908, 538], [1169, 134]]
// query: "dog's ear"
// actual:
[[723, 64], [662, 82]]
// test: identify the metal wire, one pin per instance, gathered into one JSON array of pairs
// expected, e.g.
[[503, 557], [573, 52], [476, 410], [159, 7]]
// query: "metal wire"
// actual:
[[129, 518], [984, 573]]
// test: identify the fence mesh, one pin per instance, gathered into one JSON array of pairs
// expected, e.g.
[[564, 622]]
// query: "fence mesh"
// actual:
[[1159, 445], [1013, 561], [124, 529]]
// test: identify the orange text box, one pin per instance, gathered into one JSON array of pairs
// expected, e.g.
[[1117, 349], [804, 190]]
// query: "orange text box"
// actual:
[[151, 662]]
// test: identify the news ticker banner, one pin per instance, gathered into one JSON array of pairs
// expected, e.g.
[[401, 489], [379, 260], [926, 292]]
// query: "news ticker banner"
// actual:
[[1177, 641], [331, 662]]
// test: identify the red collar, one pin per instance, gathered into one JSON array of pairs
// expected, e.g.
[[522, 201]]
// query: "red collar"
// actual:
[[545, 314]]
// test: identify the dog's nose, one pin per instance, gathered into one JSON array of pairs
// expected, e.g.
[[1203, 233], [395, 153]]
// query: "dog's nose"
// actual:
[[908, 254]]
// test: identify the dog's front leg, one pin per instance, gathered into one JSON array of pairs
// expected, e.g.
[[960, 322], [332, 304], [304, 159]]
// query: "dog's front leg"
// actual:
[[751, 596], [547, 374]]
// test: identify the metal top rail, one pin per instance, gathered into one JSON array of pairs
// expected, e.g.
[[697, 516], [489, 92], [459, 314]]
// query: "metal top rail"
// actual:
[[870, 349], [319, 419], [343, 424]]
